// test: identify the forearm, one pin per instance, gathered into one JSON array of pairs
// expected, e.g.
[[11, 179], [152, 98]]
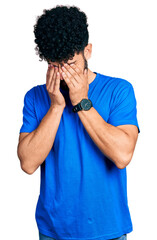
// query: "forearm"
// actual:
[[35, 147], [112, 141]]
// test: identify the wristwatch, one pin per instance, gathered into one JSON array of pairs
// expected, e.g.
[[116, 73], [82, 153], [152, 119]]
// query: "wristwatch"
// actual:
[[85, 104]]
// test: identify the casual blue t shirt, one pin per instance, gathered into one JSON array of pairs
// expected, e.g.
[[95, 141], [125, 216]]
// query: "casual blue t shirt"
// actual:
[[83, 195]]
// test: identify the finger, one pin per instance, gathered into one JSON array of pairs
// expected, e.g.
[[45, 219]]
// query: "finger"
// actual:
[[69, 77], [76, 69], [53, 79], [57, 82], [85, 72], [71, 72], [49, 70], [69, 83], [50, 73], [60, 70]]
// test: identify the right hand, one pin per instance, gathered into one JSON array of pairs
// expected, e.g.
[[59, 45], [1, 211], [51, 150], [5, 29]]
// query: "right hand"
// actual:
[[52, 86]]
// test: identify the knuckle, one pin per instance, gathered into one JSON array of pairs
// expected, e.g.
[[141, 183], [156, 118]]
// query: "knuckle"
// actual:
[[74, 74], [55, 92]]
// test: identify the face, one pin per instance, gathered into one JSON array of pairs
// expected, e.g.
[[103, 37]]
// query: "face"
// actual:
[[79, 60]]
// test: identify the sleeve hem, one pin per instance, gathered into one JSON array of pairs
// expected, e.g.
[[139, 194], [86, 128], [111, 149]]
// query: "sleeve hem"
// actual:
[[125, 123]]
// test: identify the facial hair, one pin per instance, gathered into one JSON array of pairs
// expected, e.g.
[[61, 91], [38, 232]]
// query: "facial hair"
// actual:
[[63, 85], [85, 63]]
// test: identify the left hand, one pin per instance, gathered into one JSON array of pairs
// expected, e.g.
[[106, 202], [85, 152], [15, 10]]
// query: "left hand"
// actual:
[[77, 82]]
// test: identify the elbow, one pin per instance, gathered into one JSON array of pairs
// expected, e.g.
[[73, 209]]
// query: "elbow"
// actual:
[[121, 165], [24, 163], [123, 162], [27, 169]]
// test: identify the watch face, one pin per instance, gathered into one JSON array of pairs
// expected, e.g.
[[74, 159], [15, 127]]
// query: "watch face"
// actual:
[[86, 104]]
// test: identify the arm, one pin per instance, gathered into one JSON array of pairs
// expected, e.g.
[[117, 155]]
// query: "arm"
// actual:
[[115, 143], [34, 148]]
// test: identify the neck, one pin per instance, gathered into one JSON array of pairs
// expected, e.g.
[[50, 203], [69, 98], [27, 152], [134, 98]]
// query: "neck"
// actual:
[[91, 76]]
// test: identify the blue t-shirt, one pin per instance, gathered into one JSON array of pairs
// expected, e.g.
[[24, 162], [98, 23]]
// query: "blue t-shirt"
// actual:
[[83, 195]]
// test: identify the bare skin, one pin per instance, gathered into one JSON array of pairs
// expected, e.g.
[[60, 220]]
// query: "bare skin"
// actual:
[[34, 147], [117, 143]]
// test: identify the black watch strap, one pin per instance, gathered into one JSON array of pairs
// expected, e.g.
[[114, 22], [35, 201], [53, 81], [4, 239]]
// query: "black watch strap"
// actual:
[[77, 107]]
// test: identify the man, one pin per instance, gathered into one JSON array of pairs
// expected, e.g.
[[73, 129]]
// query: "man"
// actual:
[[81, 129]]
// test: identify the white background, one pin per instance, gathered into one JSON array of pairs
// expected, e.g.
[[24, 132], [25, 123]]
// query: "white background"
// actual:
[[124, 38]]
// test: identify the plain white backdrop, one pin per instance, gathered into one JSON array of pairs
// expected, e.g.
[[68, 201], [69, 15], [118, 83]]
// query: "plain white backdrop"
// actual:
[[124, 38]]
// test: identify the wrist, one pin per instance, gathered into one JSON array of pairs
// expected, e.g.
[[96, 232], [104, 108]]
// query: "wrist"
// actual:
[[75, 103], [84, 105], [57, 108]]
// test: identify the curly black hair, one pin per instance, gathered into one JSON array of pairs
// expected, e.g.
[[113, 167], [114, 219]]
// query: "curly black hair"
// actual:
[[60, 33]]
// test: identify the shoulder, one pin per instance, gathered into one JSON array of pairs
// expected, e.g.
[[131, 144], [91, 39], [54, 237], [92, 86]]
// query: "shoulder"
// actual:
[[121, 86], [36, 90], [38, 98], [115, 84], [115, 81], [36, 95]]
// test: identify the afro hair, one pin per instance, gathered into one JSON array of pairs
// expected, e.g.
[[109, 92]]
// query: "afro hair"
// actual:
[[60, 32]]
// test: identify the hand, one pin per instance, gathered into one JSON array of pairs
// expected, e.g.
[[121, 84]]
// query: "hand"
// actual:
[[52, 86], [77, 82]]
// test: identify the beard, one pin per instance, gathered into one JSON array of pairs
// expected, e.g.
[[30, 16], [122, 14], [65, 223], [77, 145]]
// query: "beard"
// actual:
[[63, 85]]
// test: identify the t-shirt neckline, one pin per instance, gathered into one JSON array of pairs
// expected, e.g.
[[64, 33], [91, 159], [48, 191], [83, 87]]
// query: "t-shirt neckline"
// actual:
[[94, 81]]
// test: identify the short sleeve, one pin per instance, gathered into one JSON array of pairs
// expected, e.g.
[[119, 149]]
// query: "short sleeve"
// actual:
[[124, 106], [30, 122]]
